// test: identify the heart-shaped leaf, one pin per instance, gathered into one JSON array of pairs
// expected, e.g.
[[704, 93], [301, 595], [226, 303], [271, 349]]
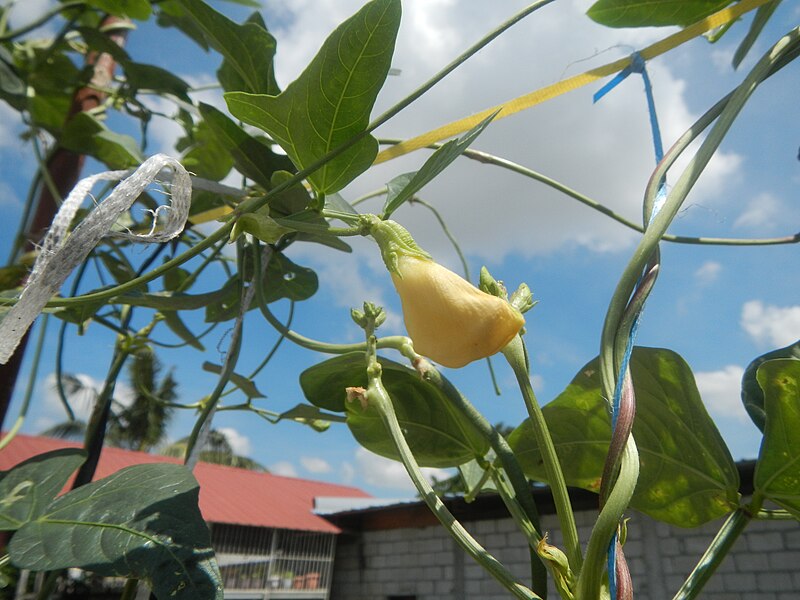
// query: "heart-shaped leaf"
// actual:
[[687, 475], [27, 489], [142, 522], [752, 394], [437, 433], [778, 468]]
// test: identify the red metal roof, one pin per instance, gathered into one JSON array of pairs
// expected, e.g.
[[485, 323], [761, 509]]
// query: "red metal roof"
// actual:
[[227, 494]]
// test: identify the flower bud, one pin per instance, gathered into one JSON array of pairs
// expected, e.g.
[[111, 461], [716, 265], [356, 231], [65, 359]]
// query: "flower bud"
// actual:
[[449, 320]]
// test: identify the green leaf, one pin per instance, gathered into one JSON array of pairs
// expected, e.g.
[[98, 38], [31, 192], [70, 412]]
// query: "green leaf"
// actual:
[[324, 384], [250, 3], [173, 300], [259, 40], [142, 76], [207, 156], [179, 328], [175, 278], [403, 187], [291, 204], [258, 224], [172, 14], [246, 385], [438, 435], [252, 158], [284, 279], [687, 476], [12, 276], [752, 394], [12, 88], [335, 202], [119, 270], [330, 102], [777, 474], [135, 9], [763, 15], [652, 13], [248, 49], [311, 416], [27, 489], [53, 83], [80, 314], [86, 135], [142, 522], [210, 202], [472, 475]]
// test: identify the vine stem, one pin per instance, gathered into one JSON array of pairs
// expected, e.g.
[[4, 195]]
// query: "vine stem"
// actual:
[[517, 357], [202, 426], [519, 500], [615, 329], [378, 397], [607, 522], [129, 591], [504, 163]]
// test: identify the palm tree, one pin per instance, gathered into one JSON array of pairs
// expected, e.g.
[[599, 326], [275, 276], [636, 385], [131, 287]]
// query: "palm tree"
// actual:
[[142, 424], [217, 450], [138, 425]]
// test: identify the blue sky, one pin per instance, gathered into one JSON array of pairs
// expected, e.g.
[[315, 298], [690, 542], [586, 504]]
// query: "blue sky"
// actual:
[[719, 307]]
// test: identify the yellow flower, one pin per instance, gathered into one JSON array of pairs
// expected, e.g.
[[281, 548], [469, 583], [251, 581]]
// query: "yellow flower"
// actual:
[[449, 320]]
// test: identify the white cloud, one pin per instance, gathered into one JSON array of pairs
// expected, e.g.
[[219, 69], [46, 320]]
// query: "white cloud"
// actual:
[[8, 198], [283, 468], [762, 212], [708, 272], [721, 392], [314, 464], [22, 13], [240, 443], [721, 58], [10, 128], [353, 279], [385, 473], [768, 325], [347, 473]]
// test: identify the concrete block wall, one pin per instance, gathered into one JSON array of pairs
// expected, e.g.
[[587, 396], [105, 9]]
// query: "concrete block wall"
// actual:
[[424, 563]]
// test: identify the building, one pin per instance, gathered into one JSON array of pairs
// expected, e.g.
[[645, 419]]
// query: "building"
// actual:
[[269, 543], [402, 553], [300, 540]]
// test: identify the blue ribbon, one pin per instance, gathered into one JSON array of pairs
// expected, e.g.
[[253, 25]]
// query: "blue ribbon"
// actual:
[[637, 65]]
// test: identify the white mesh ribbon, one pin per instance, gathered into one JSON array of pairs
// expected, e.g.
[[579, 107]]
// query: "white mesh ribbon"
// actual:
[[62, 251]]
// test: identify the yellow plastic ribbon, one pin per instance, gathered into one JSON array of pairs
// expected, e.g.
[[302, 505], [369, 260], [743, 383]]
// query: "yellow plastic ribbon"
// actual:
[[549, 92]]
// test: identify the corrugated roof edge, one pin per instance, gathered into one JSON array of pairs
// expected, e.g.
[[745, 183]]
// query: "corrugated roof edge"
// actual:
[[259, 499]]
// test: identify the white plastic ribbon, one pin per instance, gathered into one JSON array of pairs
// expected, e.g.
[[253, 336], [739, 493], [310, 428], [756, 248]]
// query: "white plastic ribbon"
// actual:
[[61, 252]]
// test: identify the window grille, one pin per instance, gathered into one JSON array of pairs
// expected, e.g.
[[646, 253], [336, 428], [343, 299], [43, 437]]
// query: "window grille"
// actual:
[[257, 562]]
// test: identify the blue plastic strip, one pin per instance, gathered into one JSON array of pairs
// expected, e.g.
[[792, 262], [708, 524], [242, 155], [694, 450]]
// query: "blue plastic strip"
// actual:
[[637, 66]]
